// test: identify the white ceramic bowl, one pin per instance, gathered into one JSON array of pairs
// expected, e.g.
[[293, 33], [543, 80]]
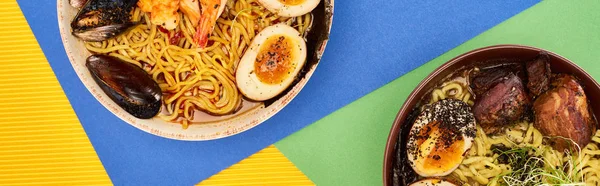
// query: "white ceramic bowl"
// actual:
[[206, 127]]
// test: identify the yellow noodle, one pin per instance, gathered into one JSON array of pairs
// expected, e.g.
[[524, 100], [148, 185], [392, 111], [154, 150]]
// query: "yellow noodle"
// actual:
[[470, 160], [481, 167], [453, 86], [477, 169], [438, 95], [192, 78], [467, 97], [460, 175], [480, 149], [478, 177]]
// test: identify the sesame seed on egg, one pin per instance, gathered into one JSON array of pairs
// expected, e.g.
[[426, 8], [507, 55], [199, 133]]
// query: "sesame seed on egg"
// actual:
[[440, 136]]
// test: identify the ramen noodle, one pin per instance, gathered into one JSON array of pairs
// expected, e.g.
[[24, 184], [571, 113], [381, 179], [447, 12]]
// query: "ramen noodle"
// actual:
[[482, 166], [193, 78]]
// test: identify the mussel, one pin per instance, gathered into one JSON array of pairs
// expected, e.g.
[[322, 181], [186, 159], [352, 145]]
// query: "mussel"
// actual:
[[126, 84], [100, 20]]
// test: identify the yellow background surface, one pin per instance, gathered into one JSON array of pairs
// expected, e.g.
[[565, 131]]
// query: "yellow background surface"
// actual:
[[42, 141]]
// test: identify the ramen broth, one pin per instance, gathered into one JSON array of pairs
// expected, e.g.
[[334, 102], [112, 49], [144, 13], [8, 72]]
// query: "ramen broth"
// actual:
[[403, 173]]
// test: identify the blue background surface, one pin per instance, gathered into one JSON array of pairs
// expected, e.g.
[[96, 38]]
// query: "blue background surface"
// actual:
[[372, 43]]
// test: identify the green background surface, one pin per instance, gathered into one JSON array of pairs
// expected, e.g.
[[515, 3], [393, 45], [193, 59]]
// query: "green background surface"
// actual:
[[347, 146]]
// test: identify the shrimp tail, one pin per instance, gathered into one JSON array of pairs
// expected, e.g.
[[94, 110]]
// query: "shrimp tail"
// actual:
[[204, 30], [211, 10]]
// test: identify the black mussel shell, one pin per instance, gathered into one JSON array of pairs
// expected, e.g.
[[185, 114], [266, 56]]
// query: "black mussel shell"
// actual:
[[126, 84], [100, 20]]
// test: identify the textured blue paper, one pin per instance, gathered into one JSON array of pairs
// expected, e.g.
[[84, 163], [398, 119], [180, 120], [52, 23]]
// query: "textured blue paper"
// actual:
[[372, 43]]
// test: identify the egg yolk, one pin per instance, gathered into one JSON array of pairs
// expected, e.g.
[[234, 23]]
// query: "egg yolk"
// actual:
[[292, 2], [439, 155], [274, 60]]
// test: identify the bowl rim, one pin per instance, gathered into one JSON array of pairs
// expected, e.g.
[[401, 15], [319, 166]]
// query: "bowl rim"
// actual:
[[253, 121], [389, 152]]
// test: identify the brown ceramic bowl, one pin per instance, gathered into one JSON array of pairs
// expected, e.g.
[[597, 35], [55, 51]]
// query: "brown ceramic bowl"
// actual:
[[480, 56]]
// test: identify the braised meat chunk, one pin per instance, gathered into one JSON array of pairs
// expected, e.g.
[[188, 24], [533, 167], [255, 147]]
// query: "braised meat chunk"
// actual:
[[563, 114], [487, 78], [538, 75], [503, 104]]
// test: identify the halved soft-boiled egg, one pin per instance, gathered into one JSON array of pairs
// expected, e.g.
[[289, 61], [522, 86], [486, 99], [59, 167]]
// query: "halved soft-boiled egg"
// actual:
[[290, 8], [440, 137], [432, 182], [271, 63]]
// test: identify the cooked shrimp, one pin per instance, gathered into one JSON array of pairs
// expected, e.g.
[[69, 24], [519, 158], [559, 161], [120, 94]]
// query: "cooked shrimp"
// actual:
[[162, 12], [145, 5], [211, 10], [191, 9]]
